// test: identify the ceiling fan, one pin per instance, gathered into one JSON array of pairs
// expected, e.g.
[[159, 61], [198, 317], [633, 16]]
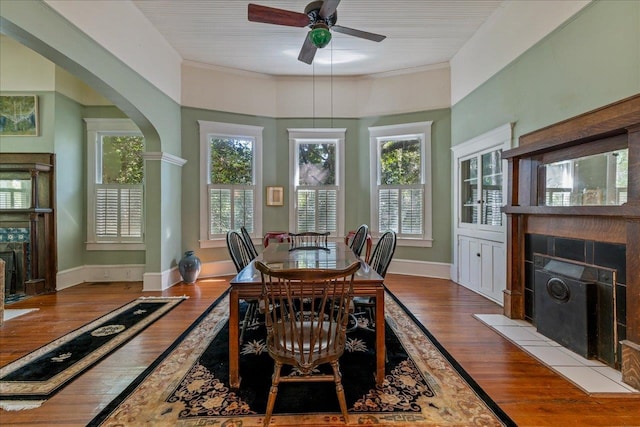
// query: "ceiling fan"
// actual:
[[320, 16]]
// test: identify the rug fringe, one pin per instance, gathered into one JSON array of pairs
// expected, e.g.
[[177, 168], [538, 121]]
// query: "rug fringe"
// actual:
[[20, 405]]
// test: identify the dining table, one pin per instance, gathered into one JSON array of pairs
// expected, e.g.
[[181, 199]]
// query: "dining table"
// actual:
[[335, 255]]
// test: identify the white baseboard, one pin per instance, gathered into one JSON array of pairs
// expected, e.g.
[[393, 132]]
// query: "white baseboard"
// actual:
[[439, 270], [99, 273], [166, 279]]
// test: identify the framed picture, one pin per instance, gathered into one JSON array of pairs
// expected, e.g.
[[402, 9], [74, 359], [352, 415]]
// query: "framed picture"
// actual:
[[19, 115], [275, 196]]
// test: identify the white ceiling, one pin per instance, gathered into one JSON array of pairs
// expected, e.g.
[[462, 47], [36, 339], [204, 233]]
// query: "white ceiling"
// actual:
[[419, 33]]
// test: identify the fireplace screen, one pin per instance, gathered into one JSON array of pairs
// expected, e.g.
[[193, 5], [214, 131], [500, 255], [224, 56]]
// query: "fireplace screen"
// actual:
[[574, 304]]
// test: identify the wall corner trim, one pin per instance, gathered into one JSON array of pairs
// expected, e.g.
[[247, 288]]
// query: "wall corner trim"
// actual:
[[164, 157]]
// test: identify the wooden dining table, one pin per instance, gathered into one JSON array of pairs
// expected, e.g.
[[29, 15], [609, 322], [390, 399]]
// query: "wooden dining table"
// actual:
[[336, 255]]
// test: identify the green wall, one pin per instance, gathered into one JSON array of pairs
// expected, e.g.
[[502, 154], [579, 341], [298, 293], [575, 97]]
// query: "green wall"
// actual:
[[590, 61], [357, 186], [71, 189]]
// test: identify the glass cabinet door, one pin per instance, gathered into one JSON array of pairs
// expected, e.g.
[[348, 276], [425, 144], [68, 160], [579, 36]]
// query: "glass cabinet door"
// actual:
[[491, 188], [469, 191], [481, 189]]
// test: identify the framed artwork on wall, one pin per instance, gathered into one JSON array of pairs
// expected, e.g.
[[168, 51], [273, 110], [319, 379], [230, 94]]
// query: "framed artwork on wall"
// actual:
[[275, 196], [19, 115]]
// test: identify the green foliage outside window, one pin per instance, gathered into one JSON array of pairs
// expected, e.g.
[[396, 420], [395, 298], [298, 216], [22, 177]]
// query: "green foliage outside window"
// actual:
[[400, 162], [317, 164], [122, 161], [231, 161]]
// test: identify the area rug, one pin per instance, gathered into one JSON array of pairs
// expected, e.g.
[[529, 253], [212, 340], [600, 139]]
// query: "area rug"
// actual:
[[188, 384], [27, 382]]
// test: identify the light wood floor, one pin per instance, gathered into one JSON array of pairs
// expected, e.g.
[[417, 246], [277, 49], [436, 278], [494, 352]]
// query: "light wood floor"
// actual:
[[531, 394]]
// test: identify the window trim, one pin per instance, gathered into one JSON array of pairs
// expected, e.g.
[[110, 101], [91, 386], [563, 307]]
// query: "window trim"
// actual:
[[96, 127], [316, 135], [229, 130], [419, 130]]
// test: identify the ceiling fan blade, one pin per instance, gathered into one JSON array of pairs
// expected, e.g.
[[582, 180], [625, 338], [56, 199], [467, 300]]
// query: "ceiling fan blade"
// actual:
[[359, 33], [328, 8], [308, 51], [271, 15]]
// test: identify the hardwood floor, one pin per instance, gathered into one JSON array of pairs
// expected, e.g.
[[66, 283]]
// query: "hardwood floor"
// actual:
[[530, 393]]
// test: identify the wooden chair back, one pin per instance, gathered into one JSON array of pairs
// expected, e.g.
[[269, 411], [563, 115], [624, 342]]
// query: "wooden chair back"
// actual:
[[383, 253], [359, 239], [240, 254], [247, 240], [308, 240], [306, 325]]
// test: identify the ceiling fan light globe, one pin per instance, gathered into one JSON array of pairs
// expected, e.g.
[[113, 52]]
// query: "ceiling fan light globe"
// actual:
[[320, 37]]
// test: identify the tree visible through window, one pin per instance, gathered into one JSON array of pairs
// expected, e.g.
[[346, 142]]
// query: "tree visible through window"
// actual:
[[401, 181], [316, 191], [119, 191], [231, 189], [400, 190]]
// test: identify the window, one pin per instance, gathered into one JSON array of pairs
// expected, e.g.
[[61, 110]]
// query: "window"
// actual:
[[231, 195], [317, 170], [115, 184], [401, 182]]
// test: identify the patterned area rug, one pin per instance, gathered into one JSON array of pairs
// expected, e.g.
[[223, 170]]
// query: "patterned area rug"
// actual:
[[27, 382], [188, 384]]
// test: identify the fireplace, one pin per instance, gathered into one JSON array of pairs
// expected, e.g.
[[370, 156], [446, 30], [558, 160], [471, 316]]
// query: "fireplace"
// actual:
[[574, 196]]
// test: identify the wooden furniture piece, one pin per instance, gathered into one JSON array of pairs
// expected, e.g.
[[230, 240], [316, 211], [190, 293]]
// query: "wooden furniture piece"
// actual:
[[248, 284], [613, 127], [307, 326], [1, 291], [380, 260], [241, 256], [248, 241], [359, 239], [279, 236], [368, 243], [27, 220], [309, 240]]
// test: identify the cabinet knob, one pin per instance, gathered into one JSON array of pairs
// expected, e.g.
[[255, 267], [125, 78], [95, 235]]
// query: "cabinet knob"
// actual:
[[479, 201], [478, 254]]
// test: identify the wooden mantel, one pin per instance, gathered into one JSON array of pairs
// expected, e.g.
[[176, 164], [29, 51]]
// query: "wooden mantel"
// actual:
[[612, 127]]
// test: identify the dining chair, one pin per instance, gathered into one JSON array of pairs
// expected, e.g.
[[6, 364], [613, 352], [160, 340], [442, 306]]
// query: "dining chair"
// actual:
[[241, 256], [359, 239], [309, 240], [307, 325], [247, 240], [379, 261]]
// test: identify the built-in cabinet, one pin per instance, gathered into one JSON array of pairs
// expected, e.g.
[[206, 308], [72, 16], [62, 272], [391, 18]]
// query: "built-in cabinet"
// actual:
[[479, 232]]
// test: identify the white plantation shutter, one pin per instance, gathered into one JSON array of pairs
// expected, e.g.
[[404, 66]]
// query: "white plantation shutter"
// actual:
[[131, 216], [388, 209], [400, 209], [119, 211], [229, 213], [411, 211], [317, 210], [243, 208]]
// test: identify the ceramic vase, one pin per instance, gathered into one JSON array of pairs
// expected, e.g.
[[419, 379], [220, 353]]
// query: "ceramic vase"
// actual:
[[189, 267]]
